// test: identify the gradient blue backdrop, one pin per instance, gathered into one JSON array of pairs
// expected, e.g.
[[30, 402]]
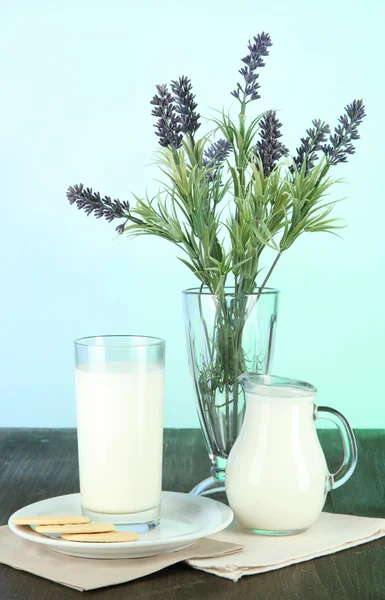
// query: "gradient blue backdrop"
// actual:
[[76, 81]]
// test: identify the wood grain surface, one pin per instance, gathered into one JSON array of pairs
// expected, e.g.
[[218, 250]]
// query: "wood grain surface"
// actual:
[[41, 463]]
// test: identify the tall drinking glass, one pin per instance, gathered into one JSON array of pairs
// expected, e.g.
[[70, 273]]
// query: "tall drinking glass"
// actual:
[[119, 399]]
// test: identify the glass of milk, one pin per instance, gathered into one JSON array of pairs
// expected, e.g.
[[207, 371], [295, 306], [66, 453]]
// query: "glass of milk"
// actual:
[[119, 400]]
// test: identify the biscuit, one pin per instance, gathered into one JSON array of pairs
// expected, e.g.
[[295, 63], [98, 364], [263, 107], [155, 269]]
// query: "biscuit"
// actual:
[[114, 536], [79, 528], [50, 520]]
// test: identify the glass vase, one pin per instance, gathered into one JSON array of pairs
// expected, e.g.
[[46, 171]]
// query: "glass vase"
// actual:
[[227, 335]]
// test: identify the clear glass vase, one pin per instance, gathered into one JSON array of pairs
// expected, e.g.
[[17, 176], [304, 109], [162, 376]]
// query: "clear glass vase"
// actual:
[[227, 335]]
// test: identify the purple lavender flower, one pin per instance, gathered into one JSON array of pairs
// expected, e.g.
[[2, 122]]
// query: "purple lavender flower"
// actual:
[[268, 147], [185, 104], [91, 201], [216, 153], [169, 124], [253, 61], [311, 144], [341, 141], [120, 229], [215, 156]]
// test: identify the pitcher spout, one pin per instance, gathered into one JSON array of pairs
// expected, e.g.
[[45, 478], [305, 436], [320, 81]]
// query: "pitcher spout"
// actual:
[[247, 380], [252, 382]]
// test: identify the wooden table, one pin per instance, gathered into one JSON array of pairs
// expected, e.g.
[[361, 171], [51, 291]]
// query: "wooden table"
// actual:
[[40, 463]]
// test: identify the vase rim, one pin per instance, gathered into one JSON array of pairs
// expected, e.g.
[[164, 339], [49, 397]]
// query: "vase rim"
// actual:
[[229, 291]]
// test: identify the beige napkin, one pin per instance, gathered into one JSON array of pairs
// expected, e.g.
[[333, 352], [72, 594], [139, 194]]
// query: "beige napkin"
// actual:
[[87, 573], [331, 533]]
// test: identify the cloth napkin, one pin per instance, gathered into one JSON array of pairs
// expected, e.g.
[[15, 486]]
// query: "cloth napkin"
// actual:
[[231, 553], [331, 533], [88, 573]]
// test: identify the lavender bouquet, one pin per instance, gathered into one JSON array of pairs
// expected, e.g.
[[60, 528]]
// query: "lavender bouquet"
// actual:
[[273, 203], [271, 198]]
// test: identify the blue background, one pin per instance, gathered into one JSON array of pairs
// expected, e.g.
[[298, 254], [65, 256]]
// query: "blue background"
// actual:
[[76, 81]]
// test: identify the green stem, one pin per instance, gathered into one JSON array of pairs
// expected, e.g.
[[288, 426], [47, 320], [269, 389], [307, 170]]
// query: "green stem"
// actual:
[[323, 174], [176, 156], [192, 141], [241, 165], [236, 361], [134, 220], [269, 273]]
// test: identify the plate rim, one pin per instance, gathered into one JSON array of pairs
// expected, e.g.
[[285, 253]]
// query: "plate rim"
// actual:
[[17, 529]]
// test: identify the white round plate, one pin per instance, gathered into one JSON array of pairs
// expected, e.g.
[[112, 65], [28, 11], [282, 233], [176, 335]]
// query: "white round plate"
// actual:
[[184, 520]]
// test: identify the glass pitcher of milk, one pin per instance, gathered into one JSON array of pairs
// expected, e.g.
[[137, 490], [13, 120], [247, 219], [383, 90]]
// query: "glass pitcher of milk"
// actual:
[[119, 400], [277, 478]]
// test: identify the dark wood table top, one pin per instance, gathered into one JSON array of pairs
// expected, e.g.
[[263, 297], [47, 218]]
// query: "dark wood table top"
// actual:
[[41, 463]]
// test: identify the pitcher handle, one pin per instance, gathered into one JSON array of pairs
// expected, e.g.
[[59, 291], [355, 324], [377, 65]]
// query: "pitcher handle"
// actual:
[[348, 442]]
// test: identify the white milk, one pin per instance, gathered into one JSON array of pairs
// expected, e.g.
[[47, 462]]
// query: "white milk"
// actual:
[[277, 477], [120, 436]]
